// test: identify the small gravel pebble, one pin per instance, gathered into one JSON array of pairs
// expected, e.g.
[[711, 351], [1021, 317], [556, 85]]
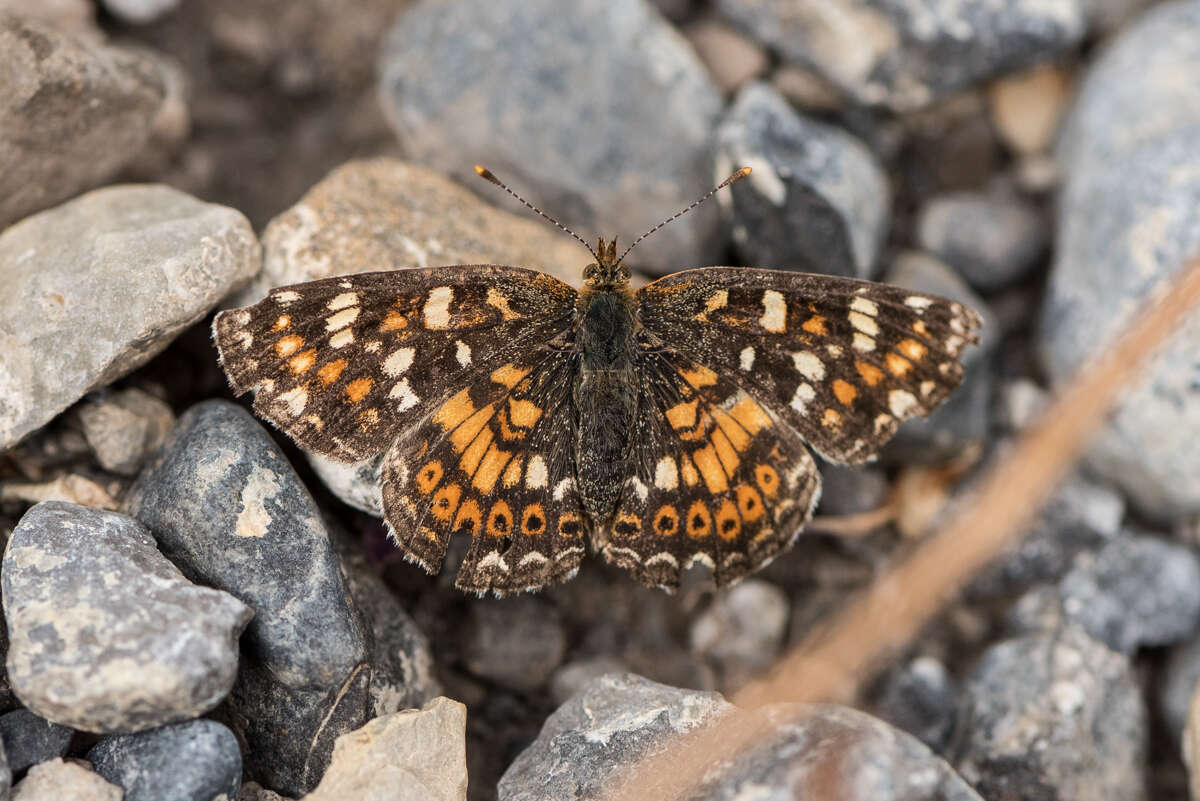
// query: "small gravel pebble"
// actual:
[[194, 761], [1135, 592], [60, 779], [1053, 715], [112, 637], [816, 201], [125, 428], [29, 739], [742, 631]]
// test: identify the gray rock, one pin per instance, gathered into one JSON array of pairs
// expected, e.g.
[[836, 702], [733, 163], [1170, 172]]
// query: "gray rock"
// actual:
[[732, 58], [416, 755], [113, 638], [59, 779], [825, 751], [6, 776], [1038, 610], [902, 53], [1181, 677], [599, 113], [402, 669], [194, 761], [991, 238], [1127, 220], [614, 721], [225, 505], [742, 632], [817, 201], [1135, 592], [1081, 515], [356, 484], [98, 286], [29, 739], [1054, 715], [920, 698], [73, 113], [124, 428], [515, 642], [964, 419], [851, 490], [1019, 403], [596, 735], [140, 12]]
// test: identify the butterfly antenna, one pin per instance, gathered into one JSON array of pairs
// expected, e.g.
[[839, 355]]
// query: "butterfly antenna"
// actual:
[[737, 176], [486, 174]]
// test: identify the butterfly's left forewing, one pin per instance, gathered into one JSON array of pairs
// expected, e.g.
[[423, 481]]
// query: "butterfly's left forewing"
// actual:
[[344, 364]]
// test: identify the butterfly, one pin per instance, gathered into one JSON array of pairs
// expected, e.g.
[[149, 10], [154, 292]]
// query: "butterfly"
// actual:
[[659, 428]]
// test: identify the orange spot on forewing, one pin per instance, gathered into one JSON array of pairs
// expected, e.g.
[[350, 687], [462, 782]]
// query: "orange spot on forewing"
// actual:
[[357, 389]]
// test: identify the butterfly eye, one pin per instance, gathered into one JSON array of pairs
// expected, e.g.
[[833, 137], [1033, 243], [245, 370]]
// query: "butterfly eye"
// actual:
[[589, 272]]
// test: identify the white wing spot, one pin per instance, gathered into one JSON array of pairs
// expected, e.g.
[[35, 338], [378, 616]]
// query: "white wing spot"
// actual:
[[918, 302], [462, 353], [747, 358], [437, 307], [532, 557], [400, 360], [774, 316], [882, 421], [639, 488], [562, 488], [342, 338], [927, 387], [901, 402], [663, 558], [863, 343], [536, 475], [834, 350], [703, 559], [666, 474], [865, 306], [809, 365], [403, 392], [342, 319], [295, 400], [342, 301], [804, 394], [862, 322], [373, 346], [494, 559], [245, 339], [286, 297]]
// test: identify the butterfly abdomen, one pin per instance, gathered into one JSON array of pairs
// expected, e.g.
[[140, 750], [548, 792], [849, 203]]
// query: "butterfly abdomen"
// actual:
[[605, 401]]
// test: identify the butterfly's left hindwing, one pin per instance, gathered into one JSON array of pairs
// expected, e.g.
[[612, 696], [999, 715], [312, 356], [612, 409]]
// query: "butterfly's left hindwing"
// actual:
[[344, 364], [841, 361]]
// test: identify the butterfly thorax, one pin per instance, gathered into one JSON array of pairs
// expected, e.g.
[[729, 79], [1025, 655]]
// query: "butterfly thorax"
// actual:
[[605, 397]]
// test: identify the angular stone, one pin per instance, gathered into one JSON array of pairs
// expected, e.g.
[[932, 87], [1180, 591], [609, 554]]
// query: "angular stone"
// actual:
[[1135, 592], [59, 779], [1054, 715], [813, 751], [600, 115], [124, 428], [416, 755], [194, 761], [96, 287], [226, 506], [593, 737], [73, 112], [29, 739], [905, 53], [1127, 221], [817, 201], [105, 634]]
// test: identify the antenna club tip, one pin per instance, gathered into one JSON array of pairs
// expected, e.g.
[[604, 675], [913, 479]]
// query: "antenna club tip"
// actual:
[[740, 174], [486, 174]]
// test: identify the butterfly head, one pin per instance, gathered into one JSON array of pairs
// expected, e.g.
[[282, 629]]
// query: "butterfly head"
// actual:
[[607, 270]]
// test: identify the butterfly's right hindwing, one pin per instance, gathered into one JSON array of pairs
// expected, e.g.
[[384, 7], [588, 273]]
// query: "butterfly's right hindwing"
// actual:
[[344, 364]]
